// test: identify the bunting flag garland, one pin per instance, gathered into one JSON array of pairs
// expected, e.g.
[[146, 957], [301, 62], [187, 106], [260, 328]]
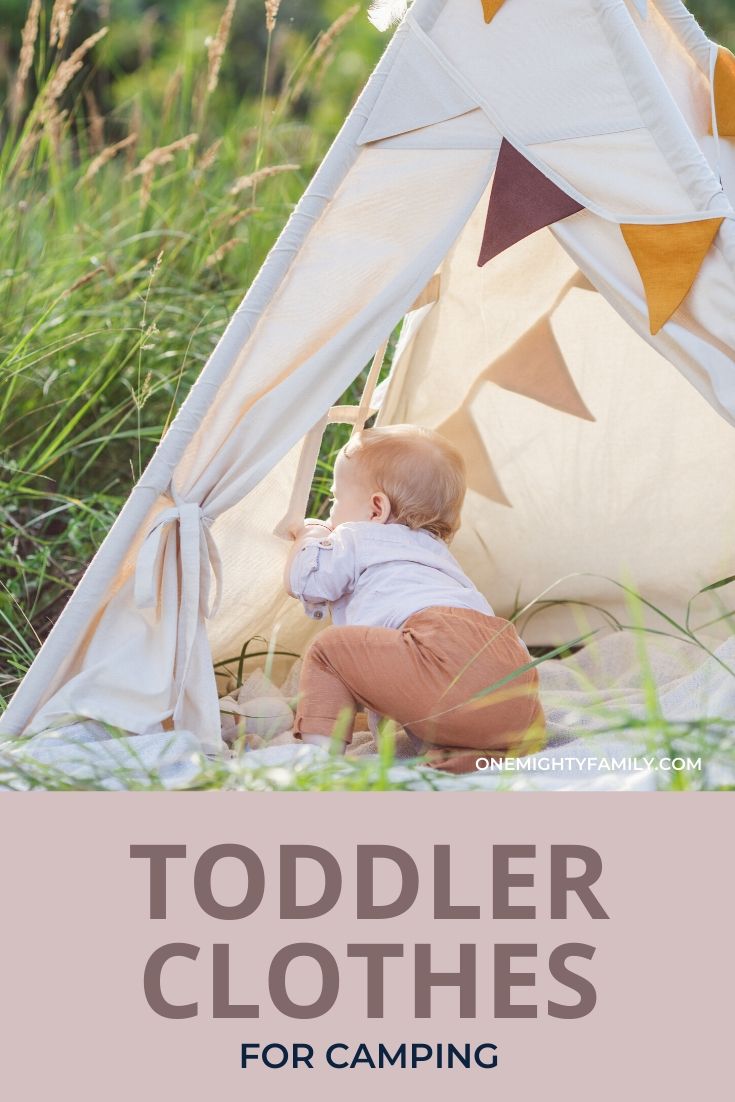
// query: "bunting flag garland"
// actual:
[[522, 200], [491, 8], [535, 367], [668, 258], [724, 93], [460, 429]]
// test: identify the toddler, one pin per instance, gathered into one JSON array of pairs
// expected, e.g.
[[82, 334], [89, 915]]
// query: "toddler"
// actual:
[[411, 639]]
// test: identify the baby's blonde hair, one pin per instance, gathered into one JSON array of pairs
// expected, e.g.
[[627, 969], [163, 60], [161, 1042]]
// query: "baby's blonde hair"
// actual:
[[420, 472]]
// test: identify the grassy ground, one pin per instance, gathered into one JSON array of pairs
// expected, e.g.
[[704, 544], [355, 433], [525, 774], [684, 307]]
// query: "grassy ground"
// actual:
[[138, 199]]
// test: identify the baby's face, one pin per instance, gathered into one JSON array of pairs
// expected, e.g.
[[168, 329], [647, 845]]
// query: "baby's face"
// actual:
[[352, 493]]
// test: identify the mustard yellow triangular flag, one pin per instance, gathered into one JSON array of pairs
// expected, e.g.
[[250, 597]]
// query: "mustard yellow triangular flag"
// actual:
[[724, 89], [491, 8], [668, 258]]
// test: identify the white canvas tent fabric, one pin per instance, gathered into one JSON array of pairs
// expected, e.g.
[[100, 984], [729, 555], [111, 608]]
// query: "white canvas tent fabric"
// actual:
[[611, 105]]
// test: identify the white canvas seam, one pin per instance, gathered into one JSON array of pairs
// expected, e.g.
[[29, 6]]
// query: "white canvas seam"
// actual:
[[560, 181]]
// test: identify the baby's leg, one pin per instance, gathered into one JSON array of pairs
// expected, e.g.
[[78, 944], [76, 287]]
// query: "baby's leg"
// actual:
[[425, 676], [345, 667], [489, 703]]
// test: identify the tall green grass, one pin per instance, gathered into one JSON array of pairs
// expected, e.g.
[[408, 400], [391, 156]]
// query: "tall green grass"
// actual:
[[127, 242]]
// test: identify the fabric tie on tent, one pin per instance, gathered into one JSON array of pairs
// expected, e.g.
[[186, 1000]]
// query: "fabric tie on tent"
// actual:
[[724, 94], [199, 558], [522, 200], [490, 8], [668, 258]]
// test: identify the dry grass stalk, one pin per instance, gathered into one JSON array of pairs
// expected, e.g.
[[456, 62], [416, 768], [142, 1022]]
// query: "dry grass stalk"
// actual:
[[322, 48], [66, 71], [146, 185], [54, 127], [60, 22], [141, 396], [262, 174], [29, 144], [271, 14], [242, 214], [163, 155], [82, 280], [218, 44], [209, 156], [219, 254], [135, 126], [147, 23], [96, 121], [224, 218], [106, 155], [248, 139], [173, 87], [334, 30], [27, 49]]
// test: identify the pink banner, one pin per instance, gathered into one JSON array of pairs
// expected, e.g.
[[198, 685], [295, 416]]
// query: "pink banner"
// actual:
[[498, 945]]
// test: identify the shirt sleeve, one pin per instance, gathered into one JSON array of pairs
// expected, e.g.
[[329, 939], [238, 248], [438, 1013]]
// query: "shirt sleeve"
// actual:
[[324, 570]]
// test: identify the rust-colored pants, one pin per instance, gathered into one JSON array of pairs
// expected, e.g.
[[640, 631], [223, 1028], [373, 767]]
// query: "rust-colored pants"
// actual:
[[424, 676]]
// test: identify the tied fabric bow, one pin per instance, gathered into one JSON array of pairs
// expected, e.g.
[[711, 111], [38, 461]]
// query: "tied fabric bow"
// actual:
[[199, 559]]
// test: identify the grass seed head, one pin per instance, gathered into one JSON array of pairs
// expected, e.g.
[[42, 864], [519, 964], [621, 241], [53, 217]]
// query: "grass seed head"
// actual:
[[262, 174], [271, 14], [106, 155], [322, 48], [27, 50], [61, 14], [218, 44], [65, 73], [96, 121]]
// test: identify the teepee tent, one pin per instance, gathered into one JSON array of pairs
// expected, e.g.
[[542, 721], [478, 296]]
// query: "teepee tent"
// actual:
[[540, 190]]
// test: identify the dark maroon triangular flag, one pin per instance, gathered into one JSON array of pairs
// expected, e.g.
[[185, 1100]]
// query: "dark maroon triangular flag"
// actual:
[[522, 200]]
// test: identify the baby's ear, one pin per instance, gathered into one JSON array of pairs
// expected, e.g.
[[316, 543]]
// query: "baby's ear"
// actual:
[[380, 507]]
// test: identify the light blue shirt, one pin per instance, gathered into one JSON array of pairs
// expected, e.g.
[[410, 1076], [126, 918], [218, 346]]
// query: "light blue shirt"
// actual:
[[378, 575]]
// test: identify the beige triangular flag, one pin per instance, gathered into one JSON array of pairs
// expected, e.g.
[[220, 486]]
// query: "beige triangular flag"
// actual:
[[535, 367], [461, 430]]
